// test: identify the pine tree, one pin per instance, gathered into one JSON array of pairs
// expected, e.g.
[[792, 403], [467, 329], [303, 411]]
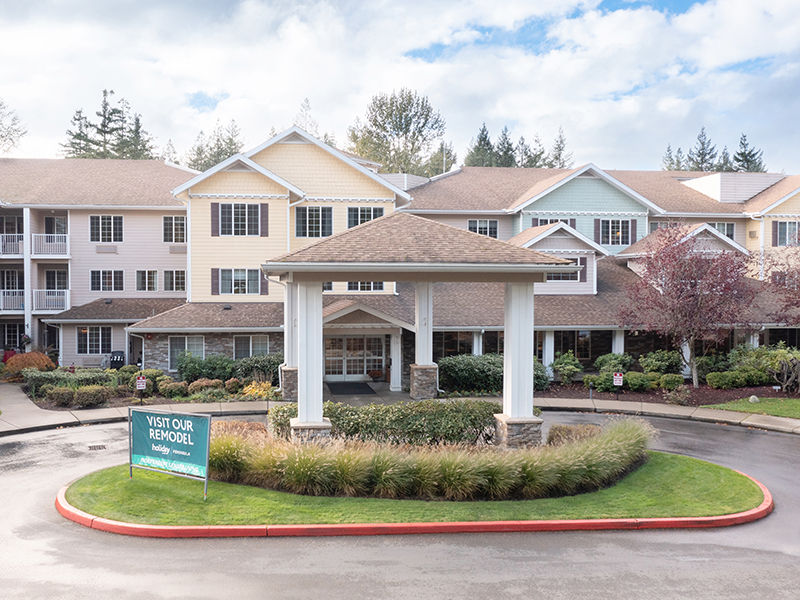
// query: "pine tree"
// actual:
[[703, 157], [223, 143], [481, 152], [11, 129], [168, 154], [304, 120], [680, 160], [668, 160], [559, 158], [136, 143], [79, 139], [106, 133], [441, 161], [747, 158], [504, 150], [197, 157], [724, 163]]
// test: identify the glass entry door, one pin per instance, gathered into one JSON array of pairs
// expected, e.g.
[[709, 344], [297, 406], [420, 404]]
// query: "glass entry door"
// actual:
[[354, 358]]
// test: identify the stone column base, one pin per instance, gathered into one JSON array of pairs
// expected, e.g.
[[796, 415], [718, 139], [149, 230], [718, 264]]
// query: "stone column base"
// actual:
[[310, 432], [423, 381], [289, 383], [520, 432]]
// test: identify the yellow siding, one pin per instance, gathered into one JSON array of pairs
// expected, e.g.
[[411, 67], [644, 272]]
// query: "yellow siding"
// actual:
[[790, 207], [238, 182], [319, 173]]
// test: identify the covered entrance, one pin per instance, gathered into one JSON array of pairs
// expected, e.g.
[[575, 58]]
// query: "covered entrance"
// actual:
[[355, 358]]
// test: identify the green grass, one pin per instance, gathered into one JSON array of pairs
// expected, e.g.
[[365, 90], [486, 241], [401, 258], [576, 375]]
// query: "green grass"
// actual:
[[777, 407], [666, 485]]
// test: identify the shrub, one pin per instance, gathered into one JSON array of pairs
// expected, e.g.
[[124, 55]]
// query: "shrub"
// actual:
[[175, 389], [613, 363], [680, 395], [566, 366], [563, 434], [61, 396], [744, 356], [423, 422], [233, 385], [259, 391], [28, 360], [214, 366], [128, 370], [152, 376], [227, 456], [602, 383], [662, 361], [753, 377], [63, 378], [653, 376], [784, 367], [726, 380], [711, 363], [163, 380], [203, 384], [92, 395], [464, 373], [44, 389], [670, 381], [121, 391], [208, 395], [264, 367], [637, 382]]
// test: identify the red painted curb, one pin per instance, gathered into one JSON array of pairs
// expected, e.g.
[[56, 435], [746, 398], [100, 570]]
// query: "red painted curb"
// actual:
[[211, 531]]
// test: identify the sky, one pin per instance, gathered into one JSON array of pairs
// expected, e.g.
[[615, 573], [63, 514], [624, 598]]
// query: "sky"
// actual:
[[623, 78]]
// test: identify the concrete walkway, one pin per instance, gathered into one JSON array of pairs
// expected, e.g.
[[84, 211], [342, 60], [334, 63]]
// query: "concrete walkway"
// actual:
[[19, 414]]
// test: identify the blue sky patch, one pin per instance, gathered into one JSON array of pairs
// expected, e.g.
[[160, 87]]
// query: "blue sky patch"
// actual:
[[205, 102]]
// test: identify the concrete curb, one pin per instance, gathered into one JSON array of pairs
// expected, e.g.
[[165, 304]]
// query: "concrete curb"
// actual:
[[214, 531]]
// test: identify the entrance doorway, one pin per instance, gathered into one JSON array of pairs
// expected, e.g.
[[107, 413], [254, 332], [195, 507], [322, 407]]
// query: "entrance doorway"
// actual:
[[355, 358]]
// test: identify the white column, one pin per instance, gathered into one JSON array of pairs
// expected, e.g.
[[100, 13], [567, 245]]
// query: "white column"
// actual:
[[290, 333], [27, 297], [518, 351], [549, 350], [309, 352], [618, 342], [396, 374], [424, 323], [477, 343]]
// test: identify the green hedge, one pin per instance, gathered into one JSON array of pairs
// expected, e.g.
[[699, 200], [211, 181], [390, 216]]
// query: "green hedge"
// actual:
[[442, 472], [424, 422], [92, 395], [469, 373], [259, 368], [662, 361], [744, 377], [35, 378], [613, 363]]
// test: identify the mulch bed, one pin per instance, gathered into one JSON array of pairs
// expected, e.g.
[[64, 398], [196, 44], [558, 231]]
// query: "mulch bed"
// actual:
[[113, 403]]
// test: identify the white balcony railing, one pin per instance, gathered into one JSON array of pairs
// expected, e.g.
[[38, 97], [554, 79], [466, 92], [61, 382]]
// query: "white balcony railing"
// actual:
[[50, 300], [10, 243], [50, 244], [12, 300]]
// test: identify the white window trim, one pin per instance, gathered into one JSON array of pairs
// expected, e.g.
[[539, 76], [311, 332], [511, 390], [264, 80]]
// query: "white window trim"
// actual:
[[112, 271], [88, 327], [488, 223], [173, 217], [306, 236], [232, 293], [185, 341], [250, 344], [246, 219], [610, 237], [174, 271], [787, 223], [155, 281], [371, 287], [371, 209], [91, 241]]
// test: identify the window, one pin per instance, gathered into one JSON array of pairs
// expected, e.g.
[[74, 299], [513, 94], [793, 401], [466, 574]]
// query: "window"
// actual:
[[615, 232], [105, 228], [483, 227], [327, 286], [12, 333], [450, 343], [313, 221], [562, 277], [175, 230], [11, 225], [656, 225], [55, 225], [549, 221], [193, 344], [11, 279], [239, 281], [55, 280], [724, 228], [250, 345], [239, 219], [146, 281], [174, 281], [364, 286], [787, 233], [359, 215], [105, 281], [94, 340]]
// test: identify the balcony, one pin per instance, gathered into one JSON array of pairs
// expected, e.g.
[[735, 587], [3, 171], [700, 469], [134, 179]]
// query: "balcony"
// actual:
[[11, 245], [12, 300], [50, 300], [50, 245]]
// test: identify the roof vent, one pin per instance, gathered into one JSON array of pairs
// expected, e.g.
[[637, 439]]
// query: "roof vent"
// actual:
[[226, 307], [108, 300]]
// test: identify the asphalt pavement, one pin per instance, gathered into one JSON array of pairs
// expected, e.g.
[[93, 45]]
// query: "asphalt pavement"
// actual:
[[43, 555]]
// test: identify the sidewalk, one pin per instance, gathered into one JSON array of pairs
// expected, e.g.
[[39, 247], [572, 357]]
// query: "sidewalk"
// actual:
[[20, 415]]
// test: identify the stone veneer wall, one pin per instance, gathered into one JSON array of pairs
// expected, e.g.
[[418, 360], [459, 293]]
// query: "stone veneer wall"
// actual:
[[156, 349], [409, 354]]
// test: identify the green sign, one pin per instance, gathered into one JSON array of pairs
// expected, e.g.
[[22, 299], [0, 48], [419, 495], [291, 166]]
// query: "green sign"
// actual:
[[170, 441]]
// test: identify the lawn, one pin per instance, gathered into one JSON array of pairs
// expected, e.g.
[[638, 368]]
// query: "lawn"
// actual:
[[778, 407], [667, 485]]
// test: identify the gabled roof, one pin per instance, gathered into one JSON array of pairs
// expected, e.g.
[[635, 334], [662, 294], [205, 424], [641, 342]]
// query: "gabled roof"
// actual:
[[402, 239], [343, 308], [655, 240], [117, 310], [545, 187], [774, 196], [89, 182], [355, 163], [531, 235], [244, 160]]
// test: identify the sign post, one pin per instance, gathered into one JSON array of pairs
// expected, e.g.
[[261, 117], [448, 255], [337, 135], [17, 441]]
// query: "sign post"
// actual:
[[619, 379], [169, 442], [141, 386]]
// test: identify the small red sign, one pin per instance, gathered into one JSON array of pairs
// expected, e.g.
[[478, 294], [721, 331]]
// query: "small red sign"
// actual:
[[141, 382], [618, 377]]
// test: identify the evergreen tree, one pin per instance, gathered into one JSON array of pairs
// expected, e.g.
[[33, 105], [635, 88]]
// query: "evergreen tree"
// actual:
[[441, 161], [481, 153], [703, 157], [197, 157], [559, 158], [304, 120], [11, 129], [79, 137], [168, 154], [223, 143], [136, 143], [680, 160], [724, 163], [747, 158], [668, 160], [109, 129], [504, 150], [329, 139]]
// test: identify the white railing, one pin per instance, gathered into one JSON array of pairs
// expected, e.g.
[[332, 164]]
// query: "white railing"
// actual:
[[12, 300], [10, 243], [50, 300], [51, 244]]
